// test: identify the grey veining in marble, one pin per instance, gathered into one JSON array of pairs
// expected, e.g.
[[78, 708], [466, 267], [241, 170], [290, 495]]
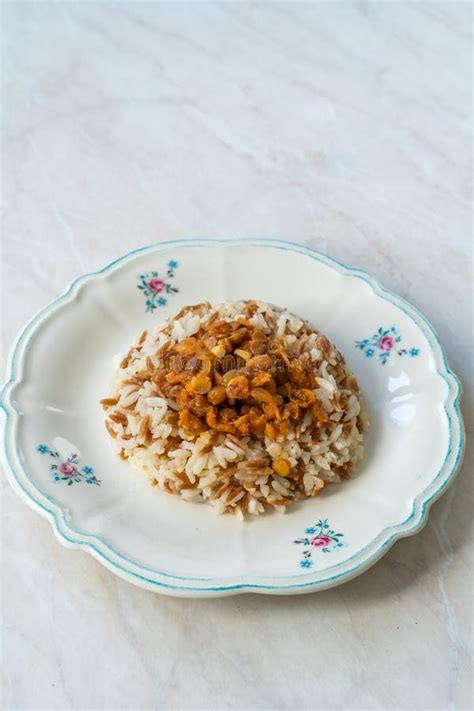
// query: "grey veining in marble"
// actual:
[[342, 125]]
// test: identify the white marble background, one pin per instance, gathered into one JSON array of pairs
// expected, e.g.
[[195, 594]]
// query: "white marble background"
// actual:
[[345, 126]]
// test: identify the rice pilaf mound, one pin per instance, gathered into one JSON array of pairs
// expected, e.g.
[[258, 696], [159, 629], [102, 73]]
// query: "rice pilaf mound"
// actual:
[[242, 405]]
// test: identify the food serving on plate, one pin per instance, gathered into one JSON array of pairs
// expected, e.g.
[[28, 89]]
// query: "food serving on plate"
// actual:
[[242, 405]]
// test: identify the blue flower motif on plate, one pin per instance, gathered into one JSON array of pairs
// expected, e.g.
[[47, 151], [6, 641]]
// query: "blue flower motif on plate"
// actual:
[[155, 286], [68, 468], [319, 537], [384, 343]]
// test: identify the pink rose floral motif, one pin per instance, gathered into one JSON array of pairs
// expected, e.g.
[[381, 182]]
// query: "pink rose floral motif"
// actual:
[[323, 538], [155, 288], [320, 541], [156, 285], [385, 344], [68, 468]]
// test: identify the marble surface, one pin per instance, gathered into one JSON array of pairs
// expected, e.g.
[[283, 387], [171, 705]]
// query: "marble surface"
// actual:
[[345, 126]]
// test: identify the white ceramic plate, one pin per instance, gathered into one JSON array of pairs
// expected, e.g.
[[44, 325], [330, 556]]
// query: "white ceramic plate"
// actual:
[[61, 365]]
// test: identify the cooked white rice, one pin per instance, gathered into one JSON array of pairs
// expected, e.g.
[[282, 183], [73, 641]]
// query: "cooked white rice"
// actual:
[[235, 472]]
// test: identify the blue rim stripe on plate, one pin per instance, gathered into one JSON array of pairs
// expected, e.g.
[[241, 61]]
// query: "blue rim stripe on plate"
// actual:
[[400, 528]]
